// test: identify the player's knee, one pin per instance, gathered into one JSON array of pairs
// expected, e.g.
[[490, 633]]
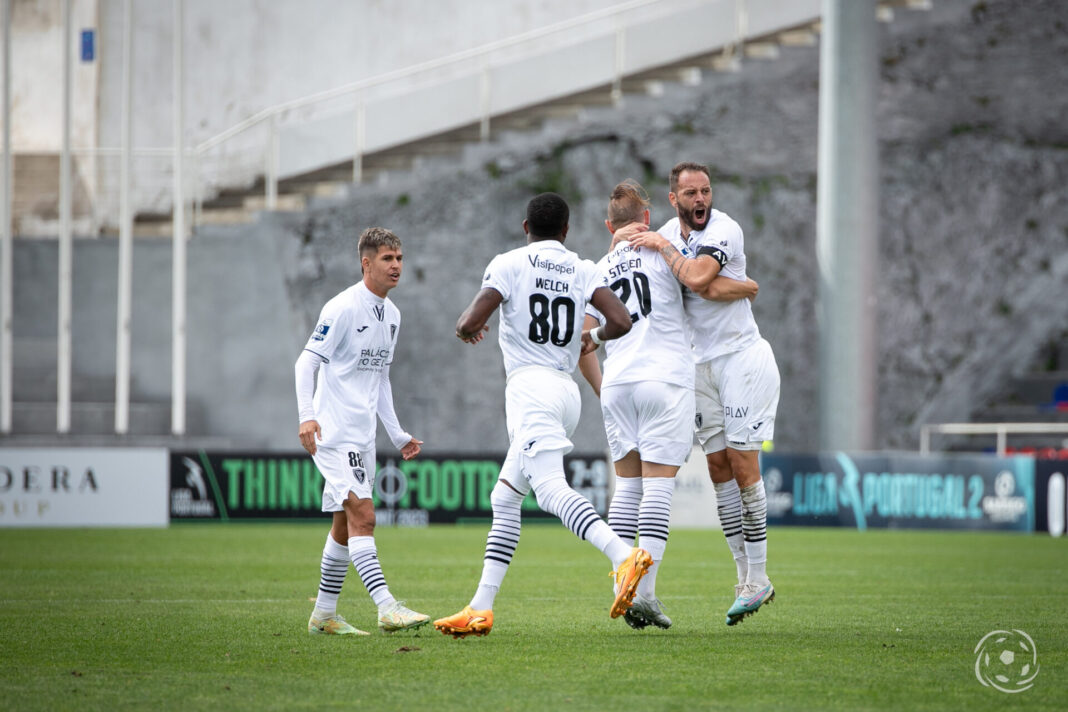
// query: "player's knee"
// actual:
[[547, 489], [719, 467], [745, 466], [504, 496]]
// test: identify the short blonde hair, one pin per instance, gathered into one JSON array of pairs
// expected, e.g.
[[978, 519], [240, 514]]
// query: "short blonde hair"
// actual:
[[627, 203]]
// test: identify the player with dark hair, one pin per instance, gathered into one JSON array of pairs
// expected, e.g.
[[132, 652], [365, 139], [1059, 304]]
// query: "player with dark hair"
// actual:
[[646, 392], [342, 387], [542, 289], [737, 387]]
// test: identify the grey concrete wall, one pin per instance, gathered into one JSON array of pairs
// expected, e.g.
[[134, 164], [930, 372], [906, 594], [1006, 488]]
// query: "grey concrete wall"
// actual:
[[240, 333], [973, 256]]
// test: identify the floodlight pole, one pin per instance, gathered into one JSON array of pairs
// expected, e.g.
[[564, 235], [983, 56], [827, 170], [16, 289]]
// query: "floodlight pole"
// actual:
[[847, 224]]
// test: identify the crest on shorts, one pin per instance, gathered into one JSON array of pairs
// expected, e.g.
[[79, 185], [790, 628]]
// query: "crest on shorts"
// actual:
[[697, 420], [360, 474]]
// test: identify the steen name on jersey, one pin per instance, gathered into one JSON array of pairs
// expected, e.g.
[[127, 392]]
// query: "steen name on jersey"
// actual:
[[624, 266]]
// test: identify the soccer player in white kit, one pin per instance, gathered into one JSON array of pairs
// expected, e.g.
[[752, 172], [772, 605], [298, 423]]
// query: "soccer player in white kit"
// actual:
[[542, 290], [342, 388], [646, 392], [737, 388]]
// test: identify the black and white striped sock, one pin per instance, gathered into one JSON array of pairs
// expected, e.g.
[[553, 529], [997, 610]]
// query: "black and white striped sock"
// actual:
[[729, 506], [654, 518], [755, 529], [364, 556], [332, 567], [546, 474], [623, 509], [501, 542]]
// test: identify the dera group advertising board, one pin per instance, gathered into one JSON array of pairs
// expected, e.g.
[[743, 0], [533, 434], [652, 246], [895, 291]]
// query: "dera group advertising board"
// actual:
[[901, 491], [429, 489]]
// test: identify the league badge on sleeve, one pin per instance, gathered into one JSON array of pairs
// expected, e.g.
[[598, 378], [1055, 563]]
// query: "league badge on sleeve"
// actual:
[[322, 329]]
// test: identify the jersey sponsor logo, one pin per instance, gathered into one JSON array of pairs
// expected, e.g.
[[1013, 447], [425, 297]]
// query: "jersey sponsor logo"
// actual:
[[731, 412], [322, 329], [360, 330], [372, 359], [550, 266], [380, 311], [715, 253]]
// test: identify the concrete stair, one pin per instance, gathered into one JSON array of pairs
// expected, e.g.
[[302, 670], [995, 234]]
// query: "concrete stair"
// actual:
[[297, 193]]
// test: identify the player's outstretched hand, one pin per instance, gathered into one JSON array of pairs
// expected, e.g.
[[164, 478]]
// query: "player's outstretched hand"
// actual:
[[650, 239], [413, 448], [627, 232], [310, 432], [474, 338]]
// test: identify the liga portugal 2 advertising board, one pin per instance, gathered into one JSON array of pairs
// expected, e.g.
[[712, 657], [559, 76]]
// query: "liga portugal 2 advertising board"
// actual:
[[429, 489], [901, 491]]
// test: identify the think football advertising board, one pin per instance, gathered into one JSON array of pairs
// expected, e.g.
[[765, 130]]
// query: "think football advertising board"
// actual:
[[429, 489]]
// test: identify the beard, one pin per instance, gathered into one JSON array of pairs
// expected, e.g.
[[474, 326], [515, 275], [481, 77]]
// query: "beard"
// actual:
[[691, 219]]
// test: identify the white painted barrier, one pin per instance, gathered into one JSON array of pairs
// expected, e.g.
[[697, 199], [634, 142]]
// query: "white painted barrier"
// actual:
[[83, 487]]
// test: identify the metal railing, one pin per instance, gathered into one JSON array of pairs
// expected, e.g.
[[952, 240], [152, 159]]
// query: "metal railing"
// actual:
[[1001, 430], [477, 62]]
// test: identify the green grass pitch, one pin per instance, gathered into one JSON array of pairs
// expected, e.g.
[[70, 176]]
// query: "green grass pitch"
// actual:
[[213, 616]]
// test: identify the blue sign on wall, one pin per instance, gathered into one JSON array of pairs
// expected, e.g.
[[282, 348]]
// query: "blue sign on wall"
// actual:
[[88, 48], [900, 491]]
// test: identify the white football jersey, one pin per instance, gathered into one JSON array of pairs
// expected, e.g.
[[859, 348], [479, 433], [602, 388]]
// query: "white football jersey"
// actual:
[[657, 348], [716, 328], [356, 334], [545, 288]]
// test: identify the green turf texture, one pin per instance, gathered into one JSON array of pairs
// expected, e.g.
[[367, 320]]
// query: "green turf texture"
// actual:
[[213, 616]]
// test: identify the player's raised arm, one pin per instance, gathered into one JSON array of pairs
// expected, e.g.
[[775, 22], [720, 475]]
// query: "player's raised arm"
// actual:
[[696, 274], [471, 326]]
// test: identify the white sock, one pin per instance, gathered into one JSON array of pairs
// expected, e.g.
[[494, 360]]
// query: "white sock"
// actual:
[[486, 593], [654, 517], [608, 542], [729, 506], [333, 567], [755, 527]]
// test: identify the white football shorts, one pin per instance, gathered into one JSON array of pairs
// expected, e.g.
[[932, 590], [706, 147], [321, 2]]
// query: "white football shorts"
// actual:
[[542, 408], [346, 468], [737, 395], [652, 417]]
